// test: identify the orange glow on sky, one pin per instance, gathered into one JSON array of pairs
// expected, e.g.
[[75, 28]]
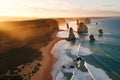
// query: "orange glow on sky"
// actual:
[[59, 8]]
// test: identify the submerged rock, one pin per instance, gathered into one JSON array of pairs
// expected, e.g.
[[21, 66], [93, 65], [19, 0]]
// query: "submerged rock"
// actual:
[[63, 66], [92, 38], [72, 66], [82, 28], [71, 35], [96, 23]]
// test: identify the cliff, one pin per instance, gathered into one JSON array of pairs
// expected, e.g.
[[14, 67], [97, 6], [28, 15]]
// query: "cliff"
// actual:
[[60, 20], [30, 31], [22, 40]]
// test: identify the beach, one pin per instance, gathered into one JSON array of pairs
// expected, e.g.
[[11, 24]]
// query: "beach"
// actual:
[[47, 63]]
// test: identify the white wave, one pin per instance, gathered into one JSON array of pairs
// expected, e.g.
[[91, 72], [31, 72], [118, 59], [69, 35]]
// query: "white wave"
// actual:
[[92, 27], [71, 24], [60, 76], [60, 51], [84, 51], [96, 73], [106, 33], [79, 75], [65, 34]]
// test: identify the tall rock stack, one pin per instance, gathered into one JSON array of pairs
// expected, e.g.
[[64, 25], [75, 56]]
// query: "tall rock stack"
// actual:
[[67, 26], [82, 28], [100, 31], [77, 22], [71, 35], [92, 37], [85, 20]]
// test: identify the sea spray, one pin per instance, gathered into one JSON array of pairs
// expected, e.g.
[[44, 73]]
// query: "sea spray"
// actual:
[[64, 34], [83, 51], [59, 52]]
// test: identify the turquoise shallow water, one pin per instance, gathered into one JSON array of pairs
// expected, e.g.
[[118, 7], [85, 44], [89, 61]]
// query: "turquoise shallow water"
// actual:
[[106, 48]]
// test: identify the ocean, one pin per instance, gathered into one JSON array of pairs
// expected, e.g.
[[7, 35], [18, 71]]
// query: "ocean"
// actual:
[[106, 49], [101, 57]]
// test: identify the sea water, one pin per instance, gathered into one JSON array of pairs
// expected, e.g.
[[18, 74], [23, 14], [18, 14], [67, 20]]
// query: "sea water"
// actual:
[[102, 57]]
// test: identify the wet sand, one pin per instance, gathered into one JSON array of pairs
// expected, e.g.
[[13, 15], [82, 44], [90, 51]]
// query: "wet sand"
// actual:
[[48, 61]]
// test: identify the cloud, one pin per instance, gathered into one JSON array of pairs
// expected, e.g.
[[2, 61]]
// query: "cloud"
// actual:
[[107, 5]]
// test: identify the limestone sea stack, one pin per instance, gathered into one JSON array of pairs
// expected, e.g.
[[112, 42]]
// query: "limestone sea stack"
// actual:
[[71, 35], [85, 20], [82, 28], [100, 31], [77, 22], [92, 38], [67, 25]]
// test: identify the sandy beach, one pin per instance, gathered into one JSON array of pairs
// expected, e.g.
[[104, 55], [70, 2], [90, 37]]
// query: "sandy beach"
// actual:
[[48, 60]]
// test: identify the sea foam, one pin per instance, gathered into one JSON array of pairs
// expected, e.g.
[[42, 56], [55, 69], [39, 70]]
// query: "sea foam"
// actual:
[[61, 51], [96, 73]]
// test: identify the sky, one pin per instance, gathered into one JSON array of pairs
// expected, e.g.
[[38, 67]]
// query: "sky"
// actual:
[[59, 8]]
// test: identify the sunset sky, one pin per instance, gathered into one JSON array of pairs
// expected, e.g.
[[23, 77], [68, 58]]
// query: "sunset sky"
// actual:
[[59, 8]]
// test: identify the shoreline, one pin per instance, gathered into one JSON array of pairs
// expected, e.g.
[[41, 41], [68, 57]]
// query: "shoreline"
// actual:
[[47, 63]]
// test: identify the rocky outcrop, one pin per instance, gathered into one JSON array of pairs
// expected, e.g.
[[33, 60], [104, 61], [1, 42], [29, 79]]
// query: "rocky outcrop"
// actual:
[[85, 20], [82, 28], [100, 31], [67, 25], [92, 38], [77, 22], [71, 35]]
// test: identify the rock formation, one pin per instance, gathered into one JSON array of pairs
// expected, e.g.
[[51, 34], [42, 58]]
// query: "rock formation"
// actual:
[[92, 38], [100, 31], [85, 20], [71, 35], [67, 26], [82, 28], [96, 23], [77, 22]]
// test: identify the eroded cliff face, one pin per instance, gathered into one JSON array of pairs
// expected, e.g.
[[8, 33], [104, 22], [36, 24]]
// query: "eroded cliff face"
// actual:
[[85, 20], [29, 32], [61, 21]]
